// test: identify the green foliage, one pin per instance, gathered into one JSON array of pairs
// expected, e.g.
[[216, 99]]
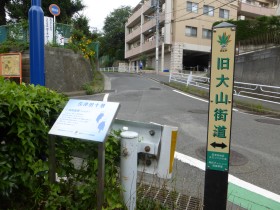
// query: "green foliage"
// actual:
[[143, 58], [247, 29], [88, 88], [96, 86], [81, 23], [26, 115], [78, 42], [18, 9], [16, 38], [113, 41], [13, 46], [149, 204], [189, 89], [26, 112]]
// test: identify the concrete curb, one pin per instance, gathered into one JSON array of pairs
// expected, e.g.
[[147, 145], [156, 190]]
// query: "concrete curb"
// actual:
[[107, 82]]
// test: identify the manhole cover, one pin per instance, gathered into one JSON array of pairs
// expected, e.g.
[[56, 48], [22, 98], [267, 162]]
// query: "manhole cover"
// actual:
[[198, 111], [269, 121], [236, 159], [154, 88]]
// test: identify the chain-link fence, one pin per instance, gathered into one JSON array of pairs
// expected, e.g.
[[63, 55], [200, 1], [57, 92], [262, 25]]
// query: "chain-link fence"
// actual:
[[19, 32], [16, 32]]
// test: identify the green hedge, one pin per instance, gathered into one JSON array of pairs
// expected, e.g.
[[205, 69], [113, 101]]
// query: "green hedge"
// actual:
[[26, 114], [247, 29]]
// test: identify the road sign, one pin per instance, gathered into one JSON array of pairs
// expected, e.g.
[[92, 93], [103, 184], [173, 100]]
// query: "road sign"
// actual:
[[85, 119], [220, 106], [54, 9], [219, 116]]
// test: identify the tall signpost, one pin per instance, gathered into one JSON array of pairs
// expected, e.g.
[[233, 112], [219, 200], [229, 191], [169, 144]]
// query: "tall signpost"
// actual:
[[36, 33], [55, 11], [220, 116]]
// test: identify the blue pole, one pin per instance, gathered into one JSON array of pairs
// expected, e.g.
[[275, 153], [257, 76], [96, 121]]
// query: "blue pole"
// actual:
[[36, 36]]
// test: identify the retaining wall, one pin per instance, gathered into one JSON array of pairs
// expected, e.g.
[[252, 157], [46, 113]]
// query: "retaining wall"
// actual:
[[65, 71], [260, 67]]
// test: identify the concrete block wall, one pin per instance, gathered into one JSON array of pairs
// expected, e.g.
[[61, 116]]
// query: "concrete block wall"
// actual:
[[65, 71], [260, 67]]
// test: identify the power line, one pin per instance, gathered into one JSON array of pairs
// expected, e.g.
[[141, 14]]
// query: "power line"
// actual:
[[202, 13]]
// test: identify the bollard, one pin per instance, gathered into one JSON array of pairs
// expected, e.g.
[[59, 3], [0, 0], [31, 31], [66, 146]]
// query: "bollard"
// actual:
[[129, 142]]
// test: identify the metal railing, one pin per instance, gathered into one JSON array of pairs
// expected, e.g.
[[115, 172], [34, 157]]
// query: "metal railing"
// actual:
[[267, 93], [129, 69]]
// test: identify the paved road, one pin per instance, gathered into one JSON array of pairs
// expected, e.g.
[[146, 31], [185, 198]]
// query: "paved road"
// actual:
[[255, 150]]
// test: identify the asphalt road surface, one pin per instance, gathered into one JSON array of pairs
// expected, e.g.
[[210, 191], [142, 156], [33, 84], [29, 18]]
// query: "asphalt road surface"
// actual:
[[255, 140]]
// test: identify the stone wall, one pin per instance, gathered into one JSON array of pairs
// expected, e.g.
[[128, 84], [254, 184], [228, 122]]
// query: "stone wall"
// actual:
[[65, 71], [177, 57], [261, 67]]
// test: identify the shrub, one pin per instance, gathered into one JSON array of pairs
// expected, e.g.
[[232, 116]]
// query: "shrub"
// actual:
[[26, 115], [26, 112]]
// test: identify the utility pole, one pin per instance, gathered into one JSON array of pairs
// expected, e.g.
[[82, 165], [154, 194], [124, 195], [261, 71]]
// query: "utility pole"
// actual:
[[157, 33]]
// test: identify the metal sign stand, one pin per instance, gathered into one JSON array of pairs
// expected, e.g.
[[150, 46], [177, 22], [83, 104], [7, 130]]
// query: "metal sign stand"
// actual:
[[88, 120], [101, 174], [219, 117]]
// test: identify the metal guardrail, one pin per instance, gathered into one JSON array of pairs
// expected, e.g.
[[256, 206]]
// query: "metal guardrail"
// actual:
[[267, 93], [131, 69]]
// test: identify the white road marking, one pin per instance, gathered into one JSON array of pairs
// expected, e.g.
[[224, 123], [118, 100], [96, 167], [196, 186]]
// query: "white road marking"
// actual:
[[105, 98], [200, 99], [185, 94], [232, 179]]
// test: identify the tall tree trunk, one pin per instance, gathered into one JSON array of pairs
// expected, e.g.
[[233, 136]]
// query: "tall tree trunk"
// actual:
[[3, 20]]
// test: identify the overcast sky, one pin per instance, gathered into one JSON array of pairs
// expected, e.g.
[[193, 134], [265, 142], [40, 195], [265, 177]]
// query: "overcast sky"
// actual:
[[97, 11]]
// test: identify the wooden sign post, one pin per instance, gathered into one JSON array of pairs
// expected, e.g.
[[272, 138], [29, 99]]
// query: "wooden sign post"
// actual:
[[219, 116], [10, 65]]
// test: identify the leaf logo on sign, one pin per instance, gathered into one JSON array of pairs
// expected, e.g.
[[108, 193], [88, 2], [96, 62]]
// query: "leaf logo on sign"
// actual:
[[224, 40]]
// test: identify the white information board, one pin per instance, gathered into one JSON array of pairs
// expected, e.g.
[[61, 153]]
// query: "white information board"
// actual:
[[48, 30], [85, 119]]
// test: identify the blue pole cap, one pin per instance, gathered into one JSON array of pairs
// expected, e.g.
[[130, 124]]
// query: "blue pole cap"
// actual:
[[36, 2]]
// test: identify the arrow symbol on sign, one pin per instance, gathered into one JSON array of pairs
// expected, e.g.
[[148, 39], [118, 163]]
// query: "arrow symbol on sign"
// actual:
[[222, 145]]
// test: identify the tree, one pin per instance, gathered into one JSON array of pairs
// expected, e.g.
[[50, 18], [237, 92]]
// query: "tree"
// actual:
[[113, 40], [81, 23], [3, 20], [18, 9]]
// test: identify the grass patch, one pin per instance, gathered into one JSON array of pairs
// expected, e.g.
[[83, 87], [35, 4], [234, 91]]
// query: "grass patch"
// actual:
[[251, 107], [189, 89], [96, 86]]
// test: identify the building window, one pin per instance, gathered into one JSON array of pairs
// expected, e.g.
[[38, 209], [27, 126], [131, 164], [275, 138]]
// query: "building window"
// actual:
[[192, 7], [208, 10], [206, 33], [191, 31], [224, 13]]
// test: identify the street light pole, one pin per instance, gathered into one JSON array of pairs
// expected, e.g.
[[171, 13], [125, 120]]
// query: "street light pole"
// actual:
[[157, 34]]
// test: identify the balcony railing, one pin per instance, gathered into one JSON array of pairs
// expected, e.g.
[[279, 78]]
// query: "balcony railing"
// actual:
[[147, 46], [255, 10], [133, 34], [135, 17]]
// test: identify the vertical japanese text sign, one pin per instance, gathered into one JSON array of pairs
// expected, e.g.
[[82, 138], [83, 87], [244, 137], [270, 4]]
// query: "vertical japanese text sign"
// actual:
[[221, 97]]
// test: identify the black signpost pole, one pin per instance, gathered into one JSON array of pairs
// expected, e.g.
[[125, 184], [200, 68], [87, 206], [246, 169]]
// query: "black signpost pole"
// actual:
[[219, 116], [52, 159], [101, 174]]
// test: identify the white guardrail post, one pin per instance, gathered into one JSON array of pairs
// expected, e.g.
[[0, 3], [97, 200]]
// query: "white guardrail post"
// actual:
[[129, 142]]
